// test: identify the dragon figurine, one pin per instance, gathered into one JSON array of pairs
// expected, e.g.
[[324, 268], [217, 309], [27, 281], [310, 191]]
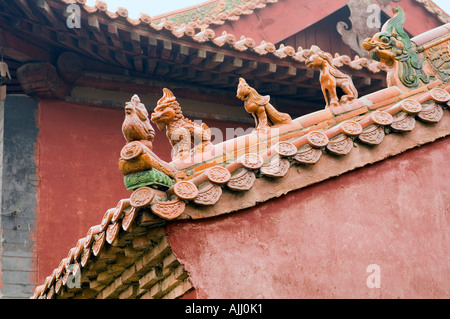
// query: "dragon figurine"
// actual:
[[393, 47]]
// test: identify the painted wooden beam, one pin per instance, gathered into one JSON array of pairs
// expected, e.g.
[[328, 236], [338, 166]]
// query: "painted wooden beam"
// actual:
[[138, 64], [266, 69], [94, 26], [231, 65], [136, 42], [26, 8], [182, 54], [121, 57], [214, 60], [285, 73], [113, 33], [49, 14], [166, 49], [248, 67], [163, 68], [152, 47], [22, 50], [197, 57]]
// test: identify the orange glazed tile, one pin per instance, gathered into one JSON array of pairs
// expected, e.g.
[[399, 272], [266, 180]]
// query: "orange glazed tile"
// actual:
[[204, 166], [293, 126], [353, 105], [61, 268], [180, 175], [447, 87], [78, 249], [430, 35], [318, 126], [191, 177], [238, 143], [413, 92], [69, 258], [333, 131], [349, 115], [98, 243], [447, 26], [423, 97], [315, 118], [434, 84], [300, 141], [94, 230], [292, 135], [341, 108], [383, 103], [383, 95]]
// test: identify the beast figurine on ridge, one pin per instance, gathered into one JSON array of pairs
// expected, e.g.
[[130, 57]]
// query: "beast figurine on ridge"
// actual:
[[259, 106], [181, 132]]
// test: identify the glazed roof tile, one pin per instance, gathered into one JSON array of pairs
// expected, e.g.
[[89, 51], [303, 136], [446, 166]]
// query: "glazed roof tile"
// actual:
[[210, 13], [215, 12]]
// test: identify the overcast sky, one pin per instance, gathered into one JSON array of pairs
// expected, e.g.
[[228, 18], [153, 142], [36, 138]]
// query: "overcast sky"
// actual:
[[155, 7]]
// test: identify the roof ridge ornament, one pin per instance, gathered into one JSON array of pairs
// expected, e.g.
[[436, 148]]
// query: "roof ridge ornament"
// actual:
[[181, 131], [259, 106], [331, 78], [139, 165], [393, 47]]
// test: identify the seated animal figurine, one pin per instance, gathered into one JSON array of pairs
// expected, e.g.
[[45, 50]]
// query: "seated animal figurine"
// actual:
[[181, 132], [330, 78], [259, 106]]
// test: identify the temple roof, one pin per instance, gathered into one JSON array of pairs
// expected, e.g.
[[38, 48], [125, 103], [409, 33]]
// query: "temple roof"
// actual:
[[127, 254]]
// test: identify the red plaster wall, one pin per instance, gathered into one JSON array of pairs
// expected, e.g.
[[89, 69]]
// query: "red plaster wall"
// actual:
[[318, 242], [79, 149], [78, 152]]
